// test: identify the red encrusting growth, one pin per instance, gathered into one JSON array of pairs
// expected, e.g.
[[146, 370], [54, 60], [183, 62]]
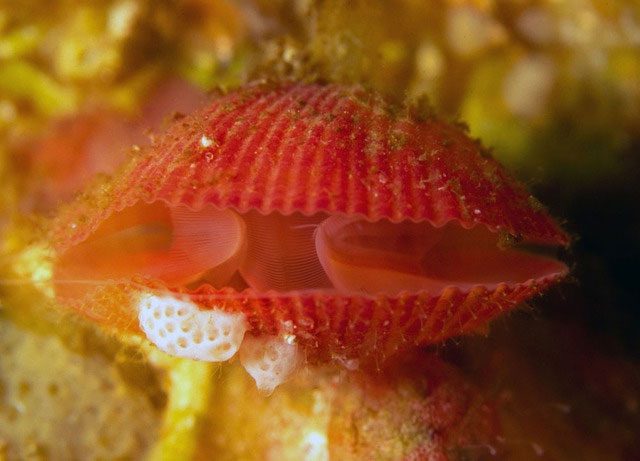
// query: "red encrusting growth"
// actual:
[[420, 409], [314, 148], [95, 141]]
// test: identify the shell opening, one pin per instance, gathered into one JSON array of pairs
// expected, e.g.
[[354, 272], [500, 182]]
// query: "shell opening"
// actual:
[[283, 254], [174, 244], [365, 257]]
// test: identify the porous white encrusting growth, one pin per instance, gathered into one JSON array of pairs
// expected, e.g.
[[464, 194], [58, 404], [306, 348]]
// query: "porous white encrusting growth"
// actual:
[[269, 360], [178, 327]]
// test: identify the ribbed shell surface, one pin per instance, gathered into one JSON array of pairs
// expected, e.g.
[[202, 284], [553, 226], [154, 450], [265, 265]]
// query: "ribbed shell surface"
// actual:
[[294, 147]]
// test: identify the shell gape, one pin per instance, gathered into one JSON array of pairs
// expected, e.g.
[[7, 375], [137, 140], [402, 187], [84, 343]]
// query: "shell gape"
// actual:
[[174, 244], [384, 257], [281, 253], [296, 253], [207, 243]]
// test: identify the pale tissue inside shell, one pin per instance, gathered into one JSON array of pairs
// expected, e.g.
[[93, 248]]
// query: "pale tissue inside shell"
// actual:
[[179, 328]]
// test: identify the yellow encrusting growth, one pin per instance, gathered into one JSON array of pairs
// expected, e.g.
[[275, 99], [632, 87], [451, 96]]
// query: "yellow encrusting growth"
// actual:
[[60, 403], [189, 388], [34, 265]]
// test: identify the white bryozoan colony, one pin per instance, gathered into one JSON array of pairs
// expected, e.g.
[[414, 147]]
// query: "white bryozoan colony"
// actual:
[[179, 328]]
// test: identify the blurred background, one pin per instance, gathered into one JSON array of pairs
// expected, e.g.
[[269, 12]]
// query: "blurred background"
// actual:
[[551, 87]]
